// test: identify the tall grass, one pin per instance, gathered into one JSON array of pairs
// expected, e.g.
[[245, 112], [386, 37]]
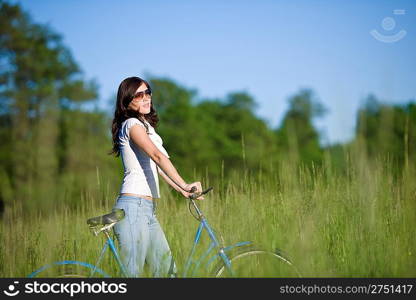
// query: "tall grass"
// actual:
[[356, 223]]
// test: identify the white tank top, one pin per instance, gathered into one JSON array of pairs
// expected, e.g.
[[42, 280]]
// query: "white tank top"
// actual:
[[140, 171]]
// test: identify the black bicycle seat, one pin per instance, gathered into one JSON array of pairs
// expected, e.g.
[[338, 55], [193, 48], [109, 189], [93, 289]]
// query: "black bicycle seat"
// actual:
[[116, 215]]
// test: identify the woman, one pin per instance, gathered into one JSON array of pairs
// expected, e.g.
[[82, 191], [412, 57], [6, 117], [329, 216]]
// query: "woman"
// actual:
[[135, 139]]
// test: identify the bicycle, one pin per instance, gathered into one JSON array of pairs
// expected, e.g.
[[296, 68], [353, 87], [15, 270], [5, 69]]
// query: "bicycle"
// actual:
[[242, 259]]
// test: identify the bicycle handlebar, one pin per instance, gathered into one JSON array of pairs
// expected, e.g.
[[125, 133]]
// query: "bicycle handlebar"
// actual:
[[196, 195]]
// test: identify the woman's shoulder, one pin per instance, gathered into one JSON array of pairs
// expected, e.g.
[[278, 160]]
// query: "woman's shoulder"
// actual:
[[131, 121], [124, 133]]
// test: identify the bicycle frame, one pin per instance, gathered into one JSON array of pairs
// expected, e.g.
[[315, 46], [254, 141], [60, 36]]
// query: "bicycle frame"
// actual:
[[110, 243], [215, 244]]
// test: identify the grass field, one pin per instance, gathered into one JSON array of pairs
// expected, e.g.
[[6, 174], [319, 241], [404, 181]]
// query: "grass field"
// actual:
[[356, 223]]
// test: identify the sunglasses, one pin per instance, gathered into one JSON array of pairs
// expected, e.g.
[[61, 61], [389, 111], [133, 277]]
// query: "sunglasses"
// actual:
[[140, 95]]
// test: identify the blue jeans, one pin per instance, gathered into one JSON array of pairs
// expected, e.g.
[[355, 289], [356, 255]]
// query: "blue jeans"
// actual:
[[142, 239]]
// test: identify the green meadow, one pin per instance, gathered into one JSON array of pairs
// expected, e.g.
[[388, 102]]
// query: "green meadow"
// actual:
[[356, 224]]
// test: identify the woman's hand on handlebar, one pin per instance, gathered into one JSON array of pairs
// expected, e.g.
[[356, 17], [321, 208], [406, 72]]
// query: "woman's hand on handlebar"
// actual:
[[189, 186]]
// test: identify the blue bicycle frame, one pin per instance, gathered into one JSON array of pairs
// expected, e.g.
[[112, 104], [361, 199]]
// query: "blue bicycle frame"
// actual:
[[221, 254], [110, 243], [215, 244]]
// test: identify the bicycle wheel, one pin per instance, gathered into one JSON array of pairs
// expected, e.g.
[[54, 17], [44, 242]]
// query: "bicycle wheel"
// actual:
[[257, 263], [68, 269]]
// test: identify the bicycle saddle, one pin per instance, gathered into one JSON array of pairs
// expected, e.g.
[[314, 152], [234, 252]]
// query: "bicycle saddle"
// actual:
[[116, 215]]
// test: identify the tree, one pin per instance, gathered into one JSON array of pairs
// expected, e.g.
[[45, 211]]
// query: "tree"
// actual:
[[388, 130], [38, 77], [179, 124], [297, 138], [213, 136]]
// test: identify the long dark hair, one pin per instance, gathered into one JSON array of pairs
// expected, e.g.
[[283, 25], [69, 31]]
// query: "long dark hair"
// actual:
[[126, 90]]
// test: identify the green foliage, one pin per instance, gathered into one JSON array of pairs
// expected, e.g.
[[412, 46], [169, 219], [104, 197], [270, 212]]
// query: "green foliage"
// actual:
[[178, 125], [212, 134], [39, 78], [388, 130], [298, 140]]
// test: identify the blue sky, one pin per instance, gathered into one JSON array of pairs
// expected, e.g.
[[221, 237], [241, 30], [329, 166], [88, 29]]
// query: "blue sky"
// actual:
[[270, 49]]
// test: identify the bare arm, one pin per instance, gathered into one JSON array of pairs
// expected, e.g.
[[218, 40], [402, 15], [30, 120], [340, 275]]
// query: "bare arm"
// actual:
[[168, 180], [140, 138], [173, 185]]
